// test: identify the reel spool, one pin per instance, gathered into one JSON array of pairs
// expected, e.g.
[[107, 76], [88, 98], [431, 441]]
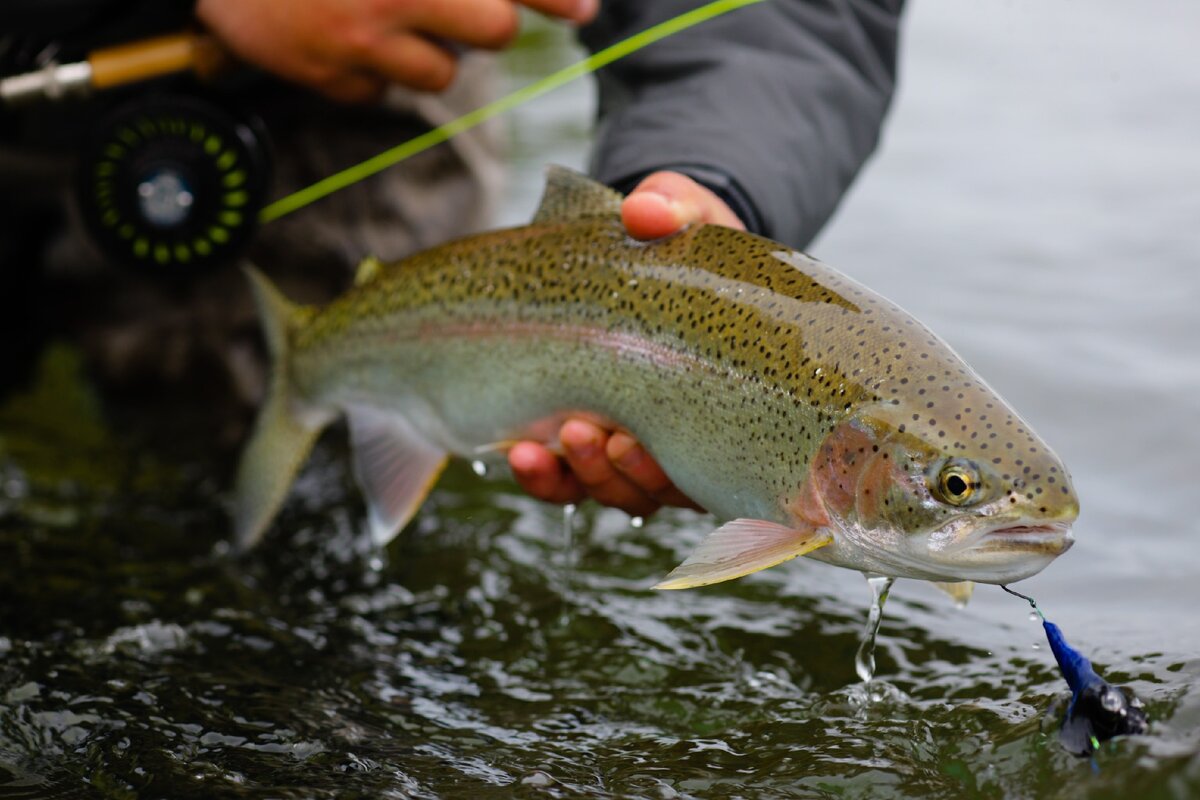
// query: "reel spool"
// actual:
[[173, 184]]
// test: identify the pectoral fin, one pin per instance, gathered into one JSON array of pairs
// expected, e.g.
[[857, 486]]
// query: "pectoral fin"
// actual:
[[960, 591], [395, 466], [740, 547]]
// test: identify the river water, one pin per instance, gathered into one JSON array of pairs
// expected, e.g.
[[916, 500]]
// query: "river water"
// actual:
[[1036, 201]]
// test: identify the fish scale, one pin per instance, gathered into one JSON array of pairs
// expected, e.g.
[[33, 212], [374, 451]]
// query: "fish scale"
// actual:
[[815, 415]]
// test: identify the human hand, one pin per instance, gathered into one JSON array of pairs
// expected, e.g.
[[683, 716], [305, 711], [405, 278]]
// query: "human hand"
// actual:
[[349, 50], [611, 467], [665, 202]]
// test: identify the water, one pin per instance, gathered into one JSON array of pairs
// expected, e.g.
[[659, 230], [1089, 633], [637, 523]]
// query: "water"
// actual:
[[864, 659], [1035, 202]]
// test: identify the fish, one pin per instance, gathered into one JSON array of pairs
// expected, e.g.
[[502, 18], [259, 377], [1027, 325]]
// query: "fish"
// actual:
[[808, 414]]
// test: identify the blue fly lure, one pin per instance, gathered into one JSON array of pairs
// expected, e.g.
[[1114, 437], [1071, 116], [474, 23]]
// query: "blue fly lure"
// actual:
[[1098, 710]]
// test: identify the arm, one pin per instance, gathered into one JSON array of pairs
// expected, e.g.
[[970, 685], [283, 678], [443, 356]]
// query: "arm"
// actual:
[[350, 49], [774, 107]]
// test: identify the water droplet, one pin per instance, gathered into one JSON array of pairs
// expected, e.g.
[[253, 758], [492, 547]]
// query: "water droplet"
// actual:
[[636, 522], [479, 468], [864, 660], [1033, 617], [568, 559], [632, 283], [375, 563], [1037, 646]]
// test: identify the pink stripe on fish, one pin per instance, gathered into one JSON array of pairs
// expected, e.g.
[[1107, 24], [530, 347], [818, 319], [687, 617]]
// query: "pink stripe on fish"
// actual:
[[623, 343]]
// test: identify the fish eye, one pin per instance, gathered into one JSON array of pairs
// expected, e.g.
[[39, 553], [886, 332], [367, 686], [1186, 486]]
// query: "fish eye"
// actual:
[[957, 482]]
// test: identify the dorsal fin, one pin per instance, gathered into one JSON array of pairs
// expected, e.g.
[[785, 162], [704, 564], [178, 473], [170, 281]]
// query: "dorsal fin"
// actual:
[[569, 196]]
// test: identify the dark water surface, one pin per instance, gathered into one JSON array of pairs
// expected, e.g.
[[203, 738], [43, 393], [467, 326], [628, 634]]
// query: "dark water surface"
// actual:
[[1037, 202]]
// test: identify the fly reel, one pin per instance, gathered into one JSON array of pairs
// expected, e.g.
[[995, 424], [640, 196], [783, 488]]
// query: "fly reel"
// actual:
[[172, 184]]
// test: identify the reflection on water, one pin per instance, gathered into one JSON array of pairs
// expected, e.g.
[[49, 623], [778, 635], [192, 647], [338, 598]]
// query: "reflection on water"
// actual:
[[1034, 202]]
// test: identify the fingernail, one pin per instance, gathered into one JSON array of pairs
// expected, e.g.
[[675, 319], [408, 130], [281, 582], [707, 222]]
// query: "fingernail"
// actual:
[[586, 9], [521, 459], [685, 212]]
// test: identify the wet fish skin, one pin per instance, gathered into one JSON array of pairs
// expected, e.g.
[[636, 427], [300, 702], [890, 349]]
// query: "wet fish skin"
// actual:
[[772, 389]]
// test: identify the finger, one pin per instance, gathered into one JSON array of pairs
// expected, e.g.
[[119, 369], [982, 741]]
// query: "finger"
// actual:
[[353, 88], [666, 201], [490, 24], [413, 61], [579, 11], [640, 468], [584, 447], [540, 473]]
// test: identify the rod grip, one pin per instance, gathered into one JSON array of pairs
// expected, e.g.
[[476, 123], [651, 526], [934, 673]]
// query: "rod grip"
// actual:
[[151, 58]]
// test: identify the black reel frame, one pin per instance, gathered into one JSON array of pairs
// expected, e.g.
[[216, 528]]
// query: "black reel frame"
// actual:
[[172, 184]]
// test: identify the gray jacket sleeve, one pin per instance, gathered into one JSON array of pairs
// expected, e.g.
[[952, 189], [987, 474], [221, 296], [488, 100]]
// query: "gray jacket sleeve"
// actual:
[[774, 106]]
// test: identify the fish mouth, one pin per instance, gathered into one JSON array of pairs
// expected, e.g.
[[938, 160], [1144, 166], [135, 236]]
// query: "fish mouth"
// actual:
[[1005, 552], [1047, 538]]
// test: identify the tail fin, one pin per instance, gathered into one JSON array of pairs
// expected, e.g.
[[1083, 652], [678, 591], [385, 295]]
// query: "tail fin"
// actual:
[[282, 439]]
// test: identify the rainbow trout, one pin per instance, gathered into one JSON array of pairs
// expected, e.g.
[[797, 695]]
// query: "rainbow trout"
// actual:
[[813, 415]]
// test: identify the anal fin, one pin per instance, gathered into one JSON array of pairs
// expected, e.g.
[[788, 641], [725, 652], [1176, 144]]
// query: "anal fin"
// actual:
[[395, 466], [741, 547], [960, 591]]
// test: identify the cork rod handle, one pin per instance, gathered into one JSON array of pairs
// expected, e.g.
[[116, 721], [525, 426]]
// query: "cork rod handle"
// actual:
[[151, 58]]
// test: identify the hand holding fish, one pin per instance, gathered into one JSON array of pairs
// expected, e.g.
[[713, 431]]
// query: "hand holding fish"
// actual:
[[611, 467], [349, 50]]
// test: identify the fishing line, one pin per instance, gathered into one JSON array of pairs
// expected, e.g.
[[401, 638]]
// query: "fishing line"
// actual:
[[358, 172], [1026, 597]]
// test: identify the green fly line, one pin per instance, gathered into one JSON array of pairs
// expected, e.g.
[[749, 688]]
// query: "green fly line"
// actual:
[[393, 156]]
